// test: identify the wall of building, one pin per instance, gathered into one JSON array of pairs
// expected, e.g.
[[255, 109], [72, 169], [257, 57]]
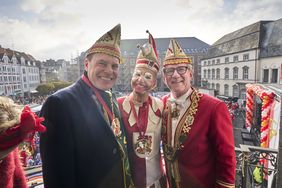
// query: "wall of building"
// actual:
[[238, 60], [271, 64]]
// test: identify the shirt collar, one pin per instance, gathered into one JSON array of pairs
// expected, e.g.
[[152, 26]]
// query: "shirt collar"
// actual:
[[182, 98]]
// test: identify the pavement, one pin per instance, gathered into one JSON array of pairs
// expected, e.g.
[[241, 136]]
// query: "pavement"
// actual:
[[238, 127]]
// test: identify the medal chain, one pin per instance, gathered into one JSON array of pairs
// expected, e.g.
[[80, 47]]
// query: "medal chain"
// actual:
[[99, 97], [141, 132], [112, 104]]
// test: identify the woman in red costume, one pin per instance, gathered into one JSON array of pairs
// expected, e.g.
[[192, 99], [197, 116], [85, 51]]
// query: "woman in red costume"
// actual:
[[16, 125], [141, 115]]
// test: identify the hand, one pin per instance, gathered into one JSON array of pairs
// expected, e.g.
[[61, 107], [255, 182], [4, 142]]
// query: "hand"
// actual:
[[30, 122]]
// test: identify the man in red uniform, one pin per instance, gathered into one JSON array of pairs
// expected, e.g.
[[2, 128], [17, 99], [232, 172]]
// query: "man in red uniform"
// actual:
[[142, 117], [197, 130]]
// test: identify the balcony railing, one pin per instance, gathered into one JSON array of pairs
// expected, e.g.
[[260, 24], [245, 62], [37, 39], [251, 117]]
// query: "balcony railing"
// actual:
[[256, 167]]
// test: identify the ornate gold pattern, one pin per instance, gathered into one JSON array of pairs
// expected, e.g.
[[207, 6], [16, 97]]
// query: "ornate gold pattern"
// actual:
[[175, 112], [108, 44], [175, 61], [175, 54], [112, 52], [224, 184], [115, 121], [183, 128]]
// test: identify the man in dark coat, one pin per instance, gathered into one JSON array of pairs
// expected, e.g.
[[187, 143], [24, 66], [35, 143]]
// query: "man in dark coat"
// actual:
[[85, 145]]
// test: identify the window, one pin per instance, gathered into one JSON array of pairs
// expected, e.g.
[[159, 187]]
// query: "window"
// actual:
[[265, 75], [226, 60], [213, 74], [205, 73], [226, 73], [6, 59], [209, 62], [274, 75], [245, 73], [235, 91], [213, 62], [235, 58], [212, 85], [235, 73], [209, 74], [246, 57], [226, 90], [205, 63], [217, 86], [217, 61], [217, 73]]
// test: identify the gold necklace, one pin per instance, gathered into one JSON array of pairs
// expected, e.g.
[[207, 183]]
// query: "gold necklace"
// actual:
[[115, 122]]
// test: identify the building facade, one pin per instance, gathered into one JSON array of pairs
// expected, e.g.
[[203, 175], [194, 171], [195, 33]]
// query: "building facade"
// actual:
[[241, 57], [19, 73], [193, 48]]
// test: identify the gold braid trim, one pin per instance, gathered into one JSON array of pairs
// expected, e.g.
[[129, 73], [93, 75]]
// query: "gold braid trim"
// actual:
[[224, 184], [183, 128], [187, 120], [174, 61], [107, 51]]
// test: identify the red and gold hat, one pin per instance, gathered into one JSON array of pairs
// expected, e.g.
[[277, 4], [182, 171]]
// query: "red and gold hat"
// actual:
[[175, 55], [108, 44], [148, 55]]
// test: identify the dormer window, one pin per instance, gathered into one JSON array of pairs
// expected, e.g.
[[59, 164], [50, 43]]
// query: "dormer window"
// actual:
[[6, 58]]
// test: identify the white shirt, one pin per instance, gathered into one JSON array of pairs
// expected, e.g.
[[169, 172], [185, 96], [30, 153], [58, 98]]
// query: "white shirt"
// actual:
[[183, 104]]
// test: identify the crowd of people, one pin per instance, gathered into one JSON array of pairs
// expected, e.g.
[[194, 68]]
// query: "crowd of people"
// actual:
[[30, 100], [93, 139]]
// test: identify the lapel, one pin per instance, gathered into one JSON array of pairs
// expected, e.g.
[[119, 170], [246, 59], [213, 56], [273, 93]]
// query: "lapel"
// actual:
[[93, 97], [100, 109], [127, 108], [152, 111]]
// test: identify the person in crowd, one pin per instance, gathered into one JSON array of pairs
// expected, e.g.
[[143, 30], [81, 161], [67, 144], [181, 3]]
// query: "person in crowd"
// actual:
[[85, 143], [142, 116], [17, 125], [197, 130]]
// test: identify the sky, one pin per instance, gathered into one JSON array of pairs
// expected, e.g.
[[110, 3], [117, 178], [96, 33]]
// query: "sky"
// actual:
[[62, 29]]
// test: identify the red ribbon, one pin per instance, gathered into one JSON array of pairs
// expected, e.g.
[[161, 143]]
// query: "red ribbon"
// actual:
[[101, 100], [141, 132]]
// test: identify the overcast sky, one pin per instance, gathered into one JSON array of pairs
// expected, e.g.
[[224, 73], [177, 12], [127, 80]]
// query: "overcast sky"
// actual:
[[60, 29]]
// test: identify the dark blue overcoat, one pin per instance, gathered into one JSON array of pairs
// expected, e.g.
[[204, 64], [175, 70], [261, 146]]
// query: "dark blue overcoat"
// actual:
[[79, 149]]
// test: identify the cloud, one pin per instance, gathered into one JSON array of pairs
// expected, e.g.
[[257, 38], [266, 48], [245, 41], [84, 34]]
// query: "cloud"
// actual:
[[56, 28], [211, 20]]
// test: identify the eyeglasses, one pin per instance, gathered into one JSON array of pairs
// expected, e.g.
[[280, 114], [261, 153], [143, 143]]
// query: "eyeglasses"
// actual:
[[180, 70]]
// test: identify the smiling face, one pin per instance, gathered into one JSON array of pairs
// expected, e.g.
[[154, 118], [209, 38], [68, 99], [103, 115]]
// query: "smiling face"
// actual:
[[102, 70], [178, 84], [143, 80]]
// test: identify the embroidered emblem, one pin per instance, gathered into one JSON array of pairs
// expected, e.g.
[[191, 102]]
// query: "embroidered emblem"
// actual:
[[175, 112], [143, 145]]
